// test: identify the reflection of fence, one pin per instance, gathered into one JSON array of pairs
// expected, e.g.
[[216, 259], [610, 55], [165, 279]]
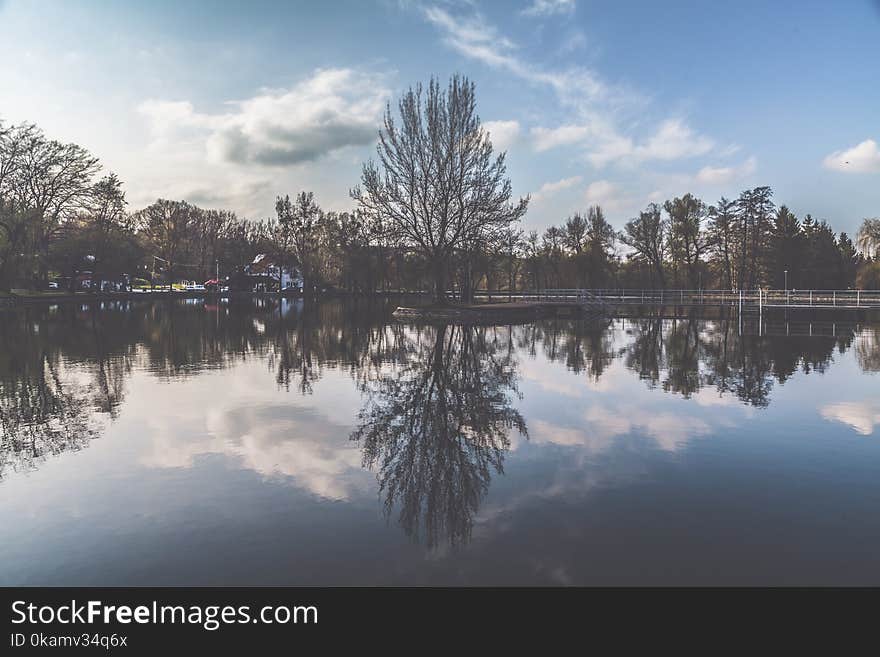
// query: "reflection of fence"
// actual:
[[793, 329], [750, 300]]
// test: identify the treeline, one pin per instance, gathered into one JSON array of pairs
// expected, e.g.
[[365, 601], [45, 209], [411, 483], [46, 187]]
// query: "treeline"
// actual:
[[59, 216], [744, 244], [687, 243]]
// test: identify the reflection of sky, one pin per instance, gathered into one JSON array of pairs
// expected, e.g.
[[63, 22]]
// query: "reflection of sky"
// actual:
[[263, 428], [224, 477]]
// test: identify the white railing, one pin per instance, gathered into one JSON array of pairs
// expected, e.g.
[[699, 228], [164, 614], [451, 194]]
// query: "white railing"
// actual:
[[745, 299]]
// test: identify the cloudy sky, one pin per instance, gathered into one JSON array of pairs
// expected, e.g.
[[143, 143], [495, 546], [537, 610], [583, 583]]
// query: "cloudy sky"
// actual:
[[228, 104]]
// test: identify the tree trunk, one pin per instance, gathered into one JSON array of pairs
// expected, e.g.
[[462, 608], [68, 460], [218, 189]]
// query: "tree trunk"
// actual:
[[439, 268]]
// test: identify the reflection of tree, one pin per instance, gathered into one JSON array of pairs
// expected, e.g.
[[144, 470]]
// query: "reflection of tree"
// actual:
[[868, 350], [584, 345], [41, 416], [686, 355], [295, 355], [646, 349], [437, 426], [684, 347], [339, 335]]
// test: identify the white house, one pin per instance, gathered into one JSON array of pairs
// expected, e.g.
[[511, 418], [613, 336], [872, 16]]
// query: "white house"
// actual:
[[264, 273]]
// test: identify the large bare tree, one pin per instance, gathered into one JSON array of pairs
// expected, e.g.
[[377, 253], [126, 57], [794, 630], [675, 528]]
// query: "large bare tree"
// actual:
[[55, 181], [438, 186]]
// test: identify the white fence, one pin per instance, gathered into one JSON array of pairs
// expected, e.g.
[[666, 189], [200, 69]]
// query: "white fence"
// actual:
[[750, 299]]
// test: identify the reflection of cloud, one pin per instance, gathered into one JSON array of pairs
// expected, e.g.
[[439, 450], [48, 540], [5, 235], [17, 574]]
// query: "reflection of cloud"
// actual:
[[710, 396], [279, 440], [602, 425], [268, 433], [546, 376], [861, 416]]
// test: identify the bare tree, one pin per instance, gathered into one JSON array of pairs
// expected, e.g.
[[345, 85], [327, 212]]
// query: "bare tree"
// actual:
[[300, 224], [687, 240], [868, 237], [54, 181], [437, 183], [167, 227], [16, 221], [647, 236], [104, 217]]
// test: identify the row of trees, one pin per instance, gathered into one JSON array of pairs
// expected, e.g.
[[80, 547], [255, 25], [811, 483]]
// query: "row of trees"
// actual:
[[434, 211], [746, 243], [686, 243]]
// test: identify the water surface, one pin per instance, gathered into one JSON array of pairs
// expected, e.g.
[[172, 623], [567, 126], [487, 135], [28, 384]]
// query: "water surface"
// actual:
[[255, 443]]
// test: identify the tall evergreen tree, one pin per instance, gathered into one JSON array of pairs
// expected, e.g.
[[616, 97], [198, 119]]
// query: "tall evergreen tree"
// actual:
[[752, 229], [721, 240], [784, 252], [600, 246]]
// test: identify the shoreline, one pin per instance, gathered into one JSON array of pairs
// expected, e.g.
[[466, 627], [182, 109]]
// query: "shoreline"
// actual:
[[507, 311], [7, 300]]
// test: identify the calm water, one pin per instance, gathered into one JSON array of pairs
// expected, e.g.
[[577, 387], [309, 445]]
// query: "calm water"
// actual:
[[247, 443]]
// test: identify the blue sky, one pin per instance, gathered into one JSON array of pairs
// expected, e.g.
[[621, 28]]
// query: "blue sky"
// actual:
[[229, 104]]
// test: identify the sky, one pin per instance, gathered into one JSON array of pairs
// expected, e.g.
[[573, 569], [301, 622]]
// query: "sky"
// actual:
[[229, 104]]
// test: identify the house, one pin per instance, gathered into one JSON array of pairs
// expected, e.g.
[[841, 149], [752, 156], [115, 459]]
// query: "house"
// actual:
[[263, 275]]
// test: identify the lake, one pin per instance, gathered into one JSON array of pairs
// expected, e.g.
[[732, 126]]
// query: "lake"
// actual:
[[258, 442]]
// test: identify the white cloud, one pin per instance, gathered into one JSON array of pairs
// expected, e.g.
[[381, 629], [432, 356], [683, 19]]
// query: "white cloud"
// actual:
[[473, 37], [673, 140], [550, 188], [592, 101], [606, 194], [503, 134], [331, 110], [610, 148], [603, 123], [721, 175], [546, 138], [861, 416], [861, 158], [549, 7], [574, 40]]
